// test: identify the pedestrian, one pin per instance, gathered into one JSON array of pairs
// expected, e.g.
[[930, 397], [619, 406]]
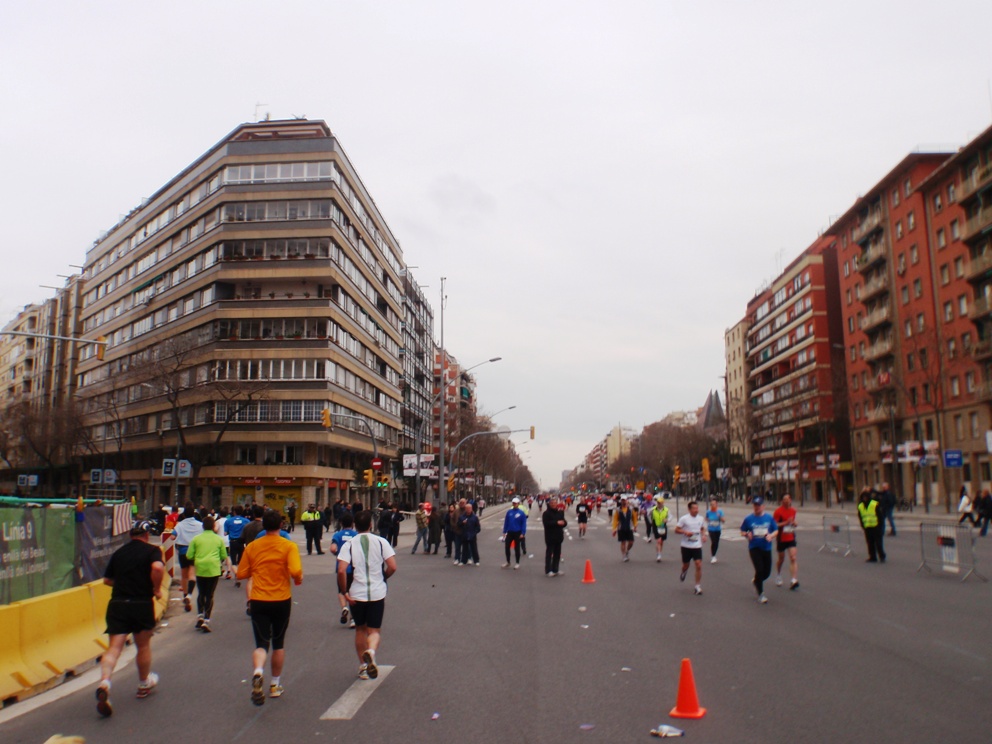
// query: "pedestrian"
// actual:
[[384, 525], [227, 570], [874, 528], [582, 516], [207, 554], [135, 572], [714, 526], [372, 560], [291, 515], [481, 505], [313, 527], [888, 501], [611, 504], [338, 539], [966, 508], [434, 528], [658, 519], [985, 510], [185, 530], [394, 524], [514, 528], [271, 562], [448, 523], [233, 528], [554, 535], [456, 530], [327, 518], [786, 544], [691, 527], [470, 527], [421, 518], [624, 526], [759, 529]]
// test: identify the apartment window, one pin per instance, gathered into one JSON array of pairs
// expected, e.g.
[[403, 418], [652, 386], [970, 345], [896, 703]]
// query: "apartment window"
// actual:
[[974, 425], [917, 288], [854, 382], [907, 187], [923, 358], [850, 324], [854, 354], [938, 203], [941, 238], [952, 348], [911, 222], [959, 427], [847, 268], [905, 295], [911, 361], [955, 387], [860, 325], [898, 229], [926, 393], [951, 195], [857, 292], [966, 342], [848, 297], [962, 305], [959, 267], [921, 323], [912, 396], [857, 415], [861, 349], [969, 382], [948, 311], [914, 254], [909, 329], [945, 275], [955, 230], [901, 263], [895, 197]]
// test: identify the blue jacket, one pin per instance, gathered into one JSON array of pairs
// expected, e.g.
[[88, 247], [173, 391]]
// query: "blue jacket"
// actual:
[[515, 521], [470, 526]]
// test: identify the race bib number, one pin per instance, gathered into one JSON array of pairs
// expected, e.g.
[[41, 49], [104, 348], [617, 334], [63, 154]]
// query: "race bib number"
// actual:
[[714, 524], [788, 529], [760, 531]]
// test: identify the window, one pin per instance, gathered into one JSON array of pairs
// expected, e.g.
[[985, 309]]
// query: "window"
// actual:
[[923, 358], [898, 229], [910, 361], [974, 425], [959, 427], [912, 396], [854, 382], [860, 322], [938, 203], [901, 263], [926, 393], [847, 268], [914, 254], [917, 288], [955, 387], [850, 324], [848, 297], [861, 349], [959, 267], [951, 196], [952, 348], [921, 323], [911, 222], [955, 230], [945, 275], [962, 305], [948, 311], [895, 197], [854, 354], [966, 341], [969, 382], [909, 329], [905, 295], [941, 238], [907, 187]]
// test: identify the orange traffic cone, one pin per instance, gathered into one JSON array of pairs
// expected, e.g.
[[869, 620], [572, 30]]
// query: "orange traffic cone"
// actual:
[[513, 544], [687, 704], [588, 578]]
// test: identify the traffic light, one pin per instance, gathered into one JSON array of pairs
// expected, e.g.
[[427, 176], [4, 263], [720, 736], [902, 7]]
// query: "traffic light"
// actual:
[[101, 350], [383, 481], [706, 469], [325, 418], [369, 478], [678, 475], [532, 432], [451, 483]]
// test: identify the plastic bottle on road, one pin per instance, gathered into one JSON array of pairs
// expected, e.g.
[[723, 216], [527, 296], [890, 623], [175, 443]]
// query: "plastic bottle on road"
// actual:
[[664, 731]]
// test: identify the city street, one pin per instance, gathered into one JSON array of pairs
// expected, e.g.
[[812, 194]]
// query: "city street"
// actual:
[[858, 653]]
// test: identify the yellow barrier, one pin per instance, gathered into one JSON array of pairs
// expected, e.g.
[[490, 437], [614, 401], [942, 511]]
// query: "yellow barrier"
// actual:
[[15, 676]]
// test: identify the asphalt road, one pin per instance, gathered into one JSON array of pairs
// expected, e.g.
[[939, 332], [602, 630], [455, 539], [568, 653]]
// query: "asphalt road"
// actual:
[[860, 653]]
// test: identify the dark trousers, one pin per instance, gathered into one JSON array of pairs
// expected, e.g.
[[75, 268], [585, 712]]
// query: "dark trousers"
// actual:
[[714, 542], [891, 520], [449, 538], [873, 537], [314, 530], [762, 560], [552, 554], [458, 546], [237, 548], [512, 538], [205, 587], [470, 550]]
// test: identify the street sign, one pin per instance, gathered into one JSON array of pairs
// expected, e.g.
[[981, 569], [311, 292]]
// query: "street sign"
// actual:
[[377, 463], [185, 469], [33, 481], [923, 461], [96, 477], [109, 477], [953, 459], [22, 481], [168, 468]]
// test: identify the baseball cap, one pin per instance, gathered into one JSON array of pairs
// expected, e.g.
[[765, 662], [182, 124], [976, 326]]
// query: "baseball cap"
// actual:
[[141, 527], [515, 500], [758, 500], [623, 498]]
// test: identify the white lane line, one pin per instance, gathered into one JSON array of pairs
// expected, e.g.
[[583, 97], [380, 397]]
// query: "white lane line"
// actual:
[[346, 706]]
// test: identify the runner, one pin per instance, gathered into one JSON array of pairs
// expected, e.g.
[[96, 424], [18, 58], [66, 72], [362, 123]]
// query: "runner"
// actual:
[[582, 514], [270, 561], [514, 528], [135, 572], [624, 526], [759, 529], [714, 525], [611, 504], [658, 519], [207, 554], [690, 526], [185, 530], [785, 519], [373, 560], [338, 539], [233, 528]]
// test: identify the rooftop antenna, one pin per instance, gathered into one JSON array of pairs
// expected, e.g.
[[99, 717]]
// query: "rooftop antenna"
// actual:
[[257, 107]]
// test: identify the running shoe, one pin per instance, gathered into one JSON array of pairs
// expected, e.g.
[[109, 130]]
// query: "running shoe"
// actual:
[[505, 565], [369, 658], [187, 604], [713, 559], [778, 581], [257, 693], [199, 621], [351, 624], [206, 627], [363, 672], [626, 558], [276, 691], [103, 705], [682, 575], [145, 688], [795, 584], [763, 599], [657, 558], [697, 589], [516, 566], [344, 616]]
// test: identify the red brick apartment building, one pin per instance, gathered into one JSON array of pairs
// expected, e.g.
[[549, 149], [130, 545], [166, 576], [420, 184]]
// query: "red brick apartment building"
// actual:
[[795, 363]]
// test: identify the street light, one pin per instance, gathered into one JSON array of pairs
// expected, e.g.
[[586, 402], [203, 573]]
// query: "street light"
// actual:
[[502, 410]]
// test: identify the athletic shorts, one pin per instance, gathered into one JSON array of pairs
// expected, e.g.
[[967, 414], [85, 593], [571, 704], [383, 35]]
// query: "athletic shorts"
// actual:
[[349, 580], [368, 614], [583, 518], [783, 546], [625, 535], [184, 562], [130, 616], [659, 533], [691, 554], [269, 621]]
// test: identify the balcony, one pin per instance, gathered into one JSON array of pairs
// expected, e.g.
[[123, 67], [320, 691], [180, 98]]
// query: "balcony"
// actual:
[[876, 318], [872, 222], [981, 350], [977, 224], [980, 308], [876, 286], [984, 392], [872, 255], [977, 180], [878, 414], [979, 266], [881, 348], [880, 384]]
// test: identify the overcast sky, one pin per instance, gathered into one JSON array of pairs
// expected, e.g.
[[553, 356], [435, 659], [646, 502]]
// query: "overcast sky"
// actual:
[[604, 184]]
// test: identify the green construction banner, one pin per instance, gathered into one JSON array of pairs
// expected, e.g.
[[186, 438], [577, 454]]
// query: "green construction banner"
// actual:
[[36, 551]]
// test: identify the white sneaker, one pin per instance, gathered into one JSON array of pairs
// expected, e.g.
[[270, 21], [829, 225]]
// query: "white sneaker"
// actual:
[[658, 558], [550, 574], [778, 581], [505, 565], [516, 566], [713, 559], [145, 688], [763, 599], [697, 589]]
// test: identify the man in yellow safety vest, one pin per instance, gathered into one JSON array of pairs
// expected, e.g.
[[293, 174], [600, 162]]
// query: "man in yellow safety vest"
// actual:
[[870, 512]]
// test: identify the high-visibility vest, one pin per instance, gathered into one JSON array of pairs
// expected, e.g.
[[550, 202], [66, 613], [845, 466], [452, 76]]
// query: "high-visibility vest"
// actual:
[[868, 513], [310, 516], [660, 516]]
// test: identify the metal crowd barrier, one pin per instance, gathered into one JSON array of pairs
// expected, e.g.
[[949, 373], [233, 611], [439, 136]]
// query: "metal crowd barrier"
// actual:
[[836, 535], [948, 547]]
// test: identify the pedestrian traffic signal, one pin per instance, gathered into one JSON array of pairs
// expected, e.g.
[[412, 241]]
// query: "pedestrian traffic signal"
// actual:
[[532, 432], [383, 482], [677, 476], [369, 478], [325, 418], [101, 350]]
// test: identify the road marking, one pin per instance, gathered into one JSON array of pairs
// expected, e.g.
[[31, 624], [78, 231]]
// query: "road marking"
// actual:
[[346, 706]]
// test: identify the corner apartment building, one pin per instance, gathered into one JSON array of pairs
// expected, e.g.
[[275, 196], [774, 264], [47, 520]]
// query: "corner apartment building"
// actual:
[[417, 354], [739, 420], [258, 287], [454, 388], [795, 375], [898, 318]]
